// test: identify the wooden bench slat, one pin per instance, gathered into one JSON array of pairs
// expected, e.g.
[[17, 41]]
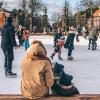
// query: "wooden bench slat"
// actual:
[[77, 97]]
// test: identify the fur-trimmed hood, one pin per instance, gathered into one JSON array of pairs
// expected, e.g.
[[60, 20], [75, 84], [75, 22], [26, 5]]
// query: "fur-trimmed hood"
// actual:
[[36, 51]]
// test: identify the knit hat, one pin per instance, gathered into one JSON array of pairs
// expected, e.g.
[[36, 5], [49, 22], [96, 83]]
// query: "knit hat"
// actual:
[[66, 79]]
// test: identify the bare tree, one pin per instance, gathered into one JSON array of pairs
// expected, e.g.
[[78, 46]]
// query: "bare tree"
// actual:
[[34, 5], [22, 4], [55, 17], [97, 2], [77, 7], [87, 3]]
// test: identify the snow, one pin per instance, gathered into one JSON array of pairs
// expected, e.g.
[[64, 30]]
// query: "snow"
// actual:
[[85, 67]]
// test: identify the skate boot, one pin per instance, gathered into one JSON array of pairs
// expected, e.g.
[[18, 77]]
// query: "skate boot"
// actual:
[[10, 74], [70, 58], [93, 49]]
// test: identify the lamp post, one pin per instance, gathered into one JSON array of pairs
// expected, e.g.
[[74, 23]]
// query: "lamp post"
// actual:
[[45, 17]]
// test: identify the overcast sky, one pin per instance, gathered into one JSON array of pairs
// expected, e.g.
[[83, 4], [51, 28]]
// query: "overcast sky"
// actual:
[[57, 5], [53, 5]]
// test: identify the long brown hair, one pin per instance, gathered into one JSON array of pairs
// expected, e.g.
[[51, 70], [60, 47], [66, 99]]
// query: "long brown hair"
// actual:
[[40, 43]]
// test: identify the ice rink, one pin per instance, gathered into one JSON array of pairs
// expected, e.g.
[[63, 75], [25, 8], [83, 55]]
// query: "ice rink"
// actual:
[[85, 67]]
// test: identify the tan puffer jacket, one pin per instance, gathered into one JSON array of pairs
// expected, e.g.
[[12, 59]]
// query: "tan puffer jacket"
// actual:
[[37, 75]]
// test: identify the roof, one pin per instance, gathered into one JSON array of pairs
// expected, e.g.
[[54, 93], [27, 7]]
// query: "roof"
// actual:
[[1, 9], [96, 13], [7, 13]]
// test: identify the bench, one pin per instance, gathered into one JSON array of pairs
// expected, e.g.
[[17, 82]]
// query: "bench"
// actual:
[[77, 97]]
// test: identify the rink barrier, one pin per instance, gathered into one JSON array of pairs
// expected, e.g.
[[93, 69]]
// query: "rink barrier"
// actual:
[[51, 33], [77, 97], [63, 33]]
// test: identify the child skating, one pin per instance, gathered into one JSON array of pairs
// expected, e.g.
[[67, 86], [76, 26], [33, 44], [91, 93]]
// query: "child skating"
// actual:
[[26, 39], [59, 44]]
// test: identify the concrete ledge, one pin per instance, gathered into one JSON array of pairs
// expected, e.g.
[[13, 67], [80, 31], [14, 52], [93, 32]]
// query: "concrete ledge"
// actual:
[[77, 97]]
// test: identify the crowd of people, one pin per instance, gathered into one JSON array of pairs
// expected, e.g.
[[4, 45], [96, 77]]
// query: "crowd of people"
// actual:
[[38, 77], [59, 40]]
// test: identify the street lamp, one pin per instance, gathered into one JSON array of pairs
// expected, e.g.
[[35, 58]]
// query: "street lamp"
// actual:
[[45, 10]]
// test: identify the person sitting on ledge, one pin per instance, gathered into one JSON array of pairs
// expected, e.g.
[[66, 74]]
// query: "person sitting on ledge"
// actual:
[[37, 75]]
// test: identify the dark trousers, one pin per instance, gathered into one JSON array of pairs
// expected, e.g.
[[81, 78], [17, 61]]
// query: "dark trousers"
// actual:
[[77, 37], [92, 43], [69, 52], [20, 40], [8, 53]]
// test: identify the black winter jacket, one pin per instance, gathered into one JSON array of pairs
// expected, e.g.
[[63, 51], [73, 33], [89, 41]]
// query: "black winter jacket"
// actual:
[[8, 36]]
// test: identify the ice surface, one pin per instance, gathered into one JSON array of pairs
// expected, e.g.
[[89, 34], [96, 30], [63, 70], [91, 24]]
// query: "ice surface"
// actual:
[[85, 67]]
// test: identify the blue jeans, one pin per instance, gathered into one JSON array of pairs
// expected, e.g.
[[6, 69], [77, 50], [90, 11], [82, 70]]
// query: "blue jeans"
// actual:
[[26, 44], [69, 52]]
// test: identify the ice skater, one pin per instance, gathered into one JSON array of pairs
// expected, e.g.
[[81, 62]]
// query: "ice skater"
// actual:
[[26, 39], [59, 44], [92, 39], [69, 44]]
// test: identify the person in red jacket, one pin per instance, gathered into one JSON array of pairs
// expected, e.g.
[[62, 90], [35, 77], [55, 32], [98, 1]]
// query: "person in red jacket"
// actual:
[[59, 44], [26, 39]]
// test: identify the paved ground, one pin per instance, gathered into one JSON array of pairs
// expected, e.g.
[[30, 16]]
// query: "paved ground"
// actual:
[[85, 67]]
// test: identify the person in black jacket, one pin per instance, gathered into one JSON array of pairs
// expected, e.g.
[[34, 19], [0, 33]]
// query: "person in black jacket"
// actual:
[[69, 44], [7, 43]]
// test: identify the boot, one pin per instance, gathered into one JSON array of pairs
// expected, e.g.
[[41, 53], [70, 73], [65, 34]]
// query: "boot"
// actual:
[[10, 74], [70, 58]]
